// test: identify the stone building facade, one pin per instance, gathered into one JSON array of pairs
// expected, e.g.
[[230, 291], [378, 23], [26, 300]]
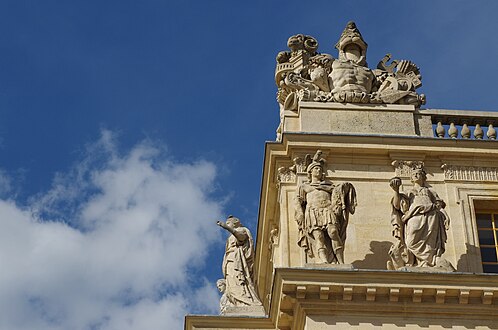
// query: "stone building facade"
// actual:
[[410, 241]]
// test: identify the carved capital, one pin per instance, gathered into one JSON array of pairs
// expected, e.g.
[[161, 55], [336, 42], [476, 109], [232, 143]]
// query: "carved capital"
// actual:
[[404, 168]]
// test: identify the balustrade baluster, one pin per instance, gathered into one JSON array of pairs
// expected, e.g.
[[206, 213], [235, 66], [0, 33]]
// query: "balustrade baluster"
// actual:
[[478, 132], [465, 131], [440, 130], [491, 132], [453, 131]]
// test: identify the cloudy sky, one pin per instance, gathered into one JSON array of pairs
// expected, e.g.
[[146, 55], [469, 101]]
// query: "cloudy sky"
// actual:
[[127, 128]]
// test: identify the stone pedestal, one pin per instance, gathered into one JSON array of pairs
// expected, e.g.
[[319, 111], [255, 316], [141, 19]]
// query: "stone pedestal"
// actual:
[[245, 311], [339, 118]]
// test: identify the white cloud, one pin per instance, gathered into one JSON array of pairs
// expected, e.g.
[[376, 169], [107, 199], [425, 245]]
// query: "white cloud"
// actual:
[[5, 183], [113, 245]]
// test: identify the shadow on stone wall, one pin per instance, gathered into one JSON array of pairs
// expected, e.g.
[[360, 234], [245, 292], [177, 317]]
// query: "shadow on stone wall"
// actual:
[[464, 264], [378, 257]]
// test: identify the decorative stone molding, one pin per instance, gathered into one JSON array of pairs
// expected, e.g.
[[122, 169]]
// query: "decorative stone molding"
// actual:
[[469, 173], [273, 240], [299, 165], [443, 288], [403, 168], [289, 174], [285, 174], [273, 237]]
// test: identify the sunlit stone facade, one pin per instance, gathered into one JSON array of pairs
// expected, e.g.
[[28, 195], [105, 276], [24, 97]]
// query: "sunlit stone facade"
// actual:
[[385, 280]]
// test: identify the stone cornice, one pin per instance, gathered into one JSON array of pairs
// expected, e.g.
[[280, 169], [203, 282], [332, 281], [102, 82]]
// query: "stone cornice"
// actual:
[[356, 106], [299, 292], [461, 116], [385, 143]]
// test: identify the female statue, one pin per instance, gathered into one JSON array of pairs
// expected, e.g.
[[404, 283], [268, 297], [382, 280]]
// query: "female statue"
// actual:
[[420, 223], [238, 264]]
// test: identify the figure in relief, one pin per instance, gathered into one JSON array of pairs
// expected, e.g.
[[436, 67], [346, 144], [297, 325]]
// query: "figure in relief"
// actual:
[[351, 79], [303, 74], [222, 287], [238, 265], [322, 213], [419, 224]]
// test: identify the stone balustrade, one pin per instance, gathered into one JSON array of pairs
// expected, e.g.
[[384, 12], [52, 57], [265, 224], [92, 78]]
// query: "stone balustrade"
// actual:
[[458, 124]]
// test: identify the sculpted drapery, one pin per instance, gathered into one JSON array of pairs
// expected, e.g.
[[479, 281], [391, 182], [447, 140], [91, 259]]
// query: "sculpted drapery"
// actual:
[[238, 263], [420, 223]]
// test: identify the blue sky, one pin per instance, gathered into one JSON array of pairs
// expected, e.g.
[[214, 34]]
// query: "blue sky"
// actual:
[[126, 123]]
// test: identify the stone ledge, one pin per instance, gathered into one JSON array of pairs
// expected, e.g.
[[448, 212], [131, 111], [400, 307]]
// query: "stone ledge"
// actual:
[[356, 106]]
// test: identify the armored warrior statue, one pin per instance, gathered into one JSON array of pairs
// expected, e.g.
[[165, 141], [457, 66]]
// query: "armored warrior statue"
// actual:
[[419, 224], [322, 213], [238, 285]]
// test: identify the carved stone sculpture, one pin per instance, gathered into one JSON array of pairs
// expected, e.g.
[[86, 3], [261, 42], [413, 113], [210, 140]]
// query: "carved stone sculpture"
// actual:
[[322, 213], [237, 267], [351, 80], [222, 287], [304, 74], [419, 224]]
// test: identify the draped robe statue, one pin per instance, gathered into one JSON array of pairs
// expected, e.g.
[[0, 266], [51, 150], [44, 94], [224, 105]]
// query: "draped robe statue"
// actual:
[[238, 265], [419, 223]]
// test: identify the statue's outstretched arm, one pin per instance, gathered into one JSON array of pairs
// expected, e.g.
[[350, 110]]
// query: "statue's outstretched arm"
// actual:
[[241, 235]]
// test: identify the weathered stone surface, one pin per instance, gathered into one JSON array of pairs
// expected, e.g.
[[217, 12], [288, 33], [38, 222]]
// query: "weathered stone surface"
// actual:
[[419, 224], [322, 213], [304, 74], [237, 287], [361, 142], [356, 119], [330, 266], [245, 311]]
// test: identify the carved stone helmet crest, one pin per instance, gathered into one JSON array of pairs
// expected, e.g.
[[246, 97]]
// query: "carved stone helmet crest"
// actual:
[[352, 38], [317, 160]]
